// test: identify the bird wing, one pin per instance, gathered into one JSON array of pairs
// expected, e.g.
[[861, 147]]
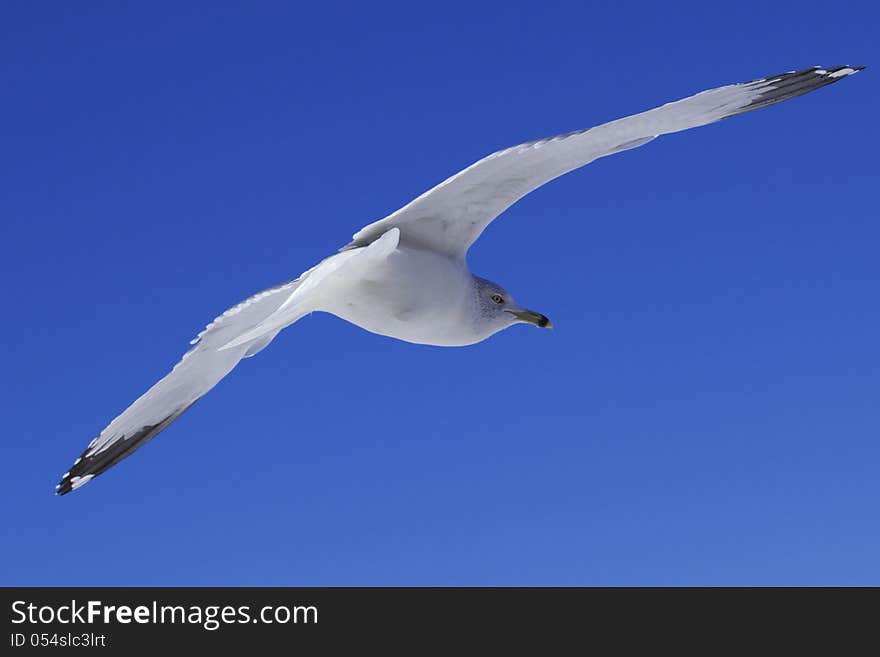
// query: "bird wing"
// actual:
[[452, 215], [200, 369], [238, 333]]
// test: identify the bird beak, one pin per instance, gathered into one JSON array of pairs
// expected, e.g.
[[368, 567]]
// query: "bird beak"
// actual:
[[532, 318]]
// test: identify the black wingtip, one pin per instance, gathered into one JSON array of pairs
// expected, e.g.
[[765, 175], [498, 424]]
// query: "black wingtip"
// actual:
[[777, 88], [90, 464], [78, 475], [838, 69]]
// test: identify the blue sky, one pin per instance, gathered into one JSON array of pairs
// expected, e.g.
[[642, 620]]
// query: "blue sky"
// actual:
[[704, 412]]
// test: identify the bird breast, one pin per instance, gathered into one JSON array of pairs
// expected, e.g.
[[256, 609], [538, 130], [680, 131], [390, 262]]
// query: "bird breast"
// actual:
[[413, 295]]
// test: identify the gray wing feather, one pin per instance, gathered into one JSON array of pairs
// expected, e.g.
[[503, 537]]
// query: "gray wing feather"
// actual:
[[452, 215], [200, 369]]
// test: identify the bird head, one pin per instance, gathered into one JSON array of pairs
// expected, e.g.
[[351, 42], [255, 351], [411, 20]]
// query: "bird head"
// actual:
[[497, 309]]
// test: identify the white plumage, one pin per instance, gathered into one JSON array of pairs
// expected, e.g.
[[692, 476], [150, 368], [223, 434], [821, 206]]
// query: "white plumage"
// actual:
[[406, 276]]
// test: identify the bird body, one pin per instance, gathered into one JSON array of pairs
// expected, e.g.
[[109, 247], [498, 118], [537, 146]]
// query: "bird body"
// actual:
[[406, 276], [414, 295]]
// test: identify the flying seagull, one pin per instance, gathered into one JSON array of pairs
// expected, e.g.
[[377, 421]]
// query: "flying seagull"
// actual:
[[406, 276]]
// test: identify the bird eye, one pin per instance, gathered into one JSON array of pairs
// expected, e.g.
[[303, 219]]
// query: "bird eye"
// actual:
[[497, 298]]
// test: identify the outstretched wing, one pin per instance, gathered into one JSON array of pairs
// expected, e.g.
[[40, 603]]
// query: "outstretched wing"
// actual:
[[239, 333], [199, 370], [452, 215]]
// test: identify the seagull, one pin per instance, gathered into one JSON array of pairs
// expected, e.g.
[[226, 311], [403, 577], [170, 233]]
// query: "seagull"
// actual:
[[406, 276]]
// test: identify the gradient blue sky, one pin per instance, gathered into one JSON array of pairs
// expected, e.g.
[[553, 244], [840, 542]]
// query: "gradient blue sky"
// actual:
[[705, 412]]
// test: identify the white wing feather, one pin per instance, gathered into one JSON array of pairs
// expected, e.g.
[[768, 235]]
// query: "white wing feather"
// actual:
[[200, 369], [238, 333], [452, 215]]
